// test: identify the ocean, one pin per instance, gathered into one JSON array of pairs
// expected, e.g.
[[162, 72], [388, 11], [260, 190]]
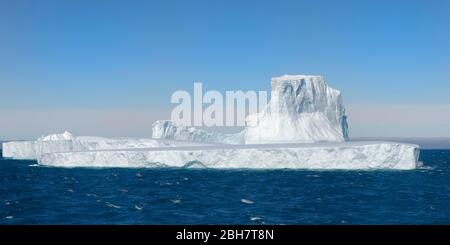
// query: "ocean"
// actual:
[[31, 194]]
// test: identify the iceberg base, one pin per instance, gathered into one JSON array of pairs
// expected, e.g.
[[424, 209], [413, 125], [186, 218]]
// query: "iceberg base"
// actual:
[[348, 155]]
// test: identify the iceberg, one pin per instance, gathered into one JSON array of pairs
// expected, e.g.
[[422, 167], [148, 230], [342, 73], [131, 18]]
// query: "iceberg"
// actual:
[[304, 126]]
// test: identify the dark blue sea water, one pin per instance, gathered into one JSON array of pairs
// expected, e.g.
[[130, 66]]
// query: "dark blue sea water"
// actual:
[[43, 195]]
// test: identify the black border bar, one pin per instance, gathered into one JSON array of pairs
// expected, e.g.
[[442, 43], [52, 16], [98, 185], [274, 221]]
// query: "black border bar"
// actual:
[[284, 233]]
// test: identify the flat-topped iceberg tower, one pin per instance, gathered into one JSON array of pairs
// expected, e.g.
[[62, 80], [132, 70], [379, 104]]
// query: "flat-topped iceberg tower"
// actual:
[[302, 109], [303, 126]]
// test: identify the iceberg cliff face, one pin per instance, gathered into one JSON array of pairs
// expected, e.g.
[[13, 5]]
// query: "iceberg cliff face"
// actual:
[[303, 109], [21, 150], [349, 155], [29, 150]]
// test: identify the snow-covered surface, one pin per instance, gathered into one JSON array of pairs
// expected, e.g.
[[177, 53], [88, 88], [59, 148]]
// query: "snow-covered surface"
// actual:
[[53, 137], [163, 129], [354, 155], [302, 109], [89, 143]]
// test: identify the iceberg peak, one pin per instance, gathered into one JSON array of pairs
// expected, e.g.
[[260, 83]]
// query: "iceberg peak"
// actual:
[[52, 137], [303, 108], [287, 77]]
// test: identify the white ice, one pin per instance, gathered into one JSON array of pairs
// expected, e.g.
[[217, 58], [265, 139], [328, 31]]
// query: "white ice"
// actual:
[[304, 126], [32, 150], [302, 109], [348, 155]]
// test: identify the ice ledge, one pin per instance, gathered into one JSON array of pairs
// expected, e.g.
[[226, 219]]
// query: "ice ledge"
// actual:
[[288, 77], [66, 142], [351, 155]]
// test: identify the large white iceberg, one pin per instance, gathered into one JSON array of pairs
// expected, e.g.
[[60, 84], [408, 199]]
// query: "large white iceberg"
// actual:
[[303, 126]]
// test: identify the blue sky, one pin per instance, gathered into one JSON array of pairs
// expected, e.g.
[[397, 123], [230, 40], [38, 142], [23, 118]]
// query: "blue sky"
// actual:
[[79, 65]]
